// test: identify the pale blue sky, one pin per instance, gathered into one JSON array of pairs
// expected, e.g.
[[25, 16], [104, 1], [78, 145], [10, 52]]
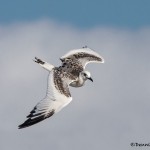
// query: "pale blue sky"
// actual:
[[79, 13]]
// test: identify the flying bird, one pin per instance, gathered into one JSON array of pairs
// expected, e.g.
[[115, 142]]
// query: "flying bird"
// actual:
[[71, 73]]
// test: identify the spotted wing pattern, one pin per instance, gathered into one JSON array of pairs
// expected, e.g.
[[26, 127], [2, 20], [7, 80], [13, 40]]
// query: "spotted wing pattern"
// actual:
[[57, 97], [81, 57]]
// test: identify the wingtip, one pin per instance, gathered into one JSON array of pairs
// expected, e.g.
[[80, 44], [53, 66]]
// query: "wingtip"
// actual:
[[31, 121], [102, 60], [21, 126], [24, 125]]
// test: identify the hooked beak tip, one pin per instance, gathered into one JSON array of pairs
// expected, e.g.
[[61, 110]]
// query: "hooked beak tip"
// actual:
[[90, 79]]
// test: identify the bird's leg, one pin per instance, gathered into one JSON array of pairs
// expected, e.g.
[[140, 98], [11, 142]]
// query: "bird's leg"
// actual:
[[44, 64]]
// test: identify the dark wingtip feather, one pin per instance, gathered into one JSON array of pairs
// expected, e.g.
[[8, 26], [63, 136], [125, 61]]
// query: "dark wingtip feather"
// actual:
[[30, 121]]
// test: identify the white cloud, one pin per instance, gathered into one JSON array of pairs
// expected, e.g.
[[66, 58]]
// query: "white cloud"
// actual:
[[110, 113]]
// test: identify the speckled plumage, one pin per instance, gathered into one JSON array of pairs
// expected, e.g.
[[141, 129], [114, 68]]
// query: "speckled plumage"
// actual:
[[71, 72]]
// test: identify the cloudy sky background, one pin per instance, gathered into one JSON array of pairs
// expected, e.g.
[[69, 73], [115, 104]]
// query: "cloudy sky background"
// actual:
[[110, 113]]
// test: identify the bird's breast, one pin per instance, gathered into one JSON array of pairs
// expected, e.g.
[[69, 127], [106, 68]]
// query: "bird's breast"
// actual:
[[77, 83]]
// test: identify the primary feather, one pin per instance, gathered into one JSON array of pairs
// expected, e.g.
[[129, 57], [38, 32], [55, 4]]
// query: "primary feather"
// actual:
[[59, 79]]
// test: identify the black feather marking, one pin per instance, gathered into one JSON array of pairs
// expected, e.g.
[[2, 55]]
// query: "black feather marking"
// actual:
[[39, 61], [33, 115], [31, 121]]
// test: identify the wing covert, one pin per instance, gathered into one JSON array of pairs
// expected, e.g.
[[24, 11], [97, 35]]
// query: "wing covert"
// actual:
[[83, 56], [57, 97]]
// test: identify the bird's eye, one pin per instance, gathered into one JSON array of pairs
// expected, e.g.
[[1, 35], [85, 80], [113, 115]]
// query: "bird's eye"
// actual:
[[84, 74]]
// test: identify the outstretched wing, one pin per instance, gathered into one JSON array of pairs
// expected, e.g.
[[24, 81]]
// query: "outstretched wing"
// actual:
[[57, 97], [83, 56]]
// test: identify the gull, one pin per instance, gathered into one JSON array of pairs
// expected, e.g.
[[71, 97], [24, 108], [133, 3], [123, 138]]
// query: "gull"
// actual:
[[71, 73]]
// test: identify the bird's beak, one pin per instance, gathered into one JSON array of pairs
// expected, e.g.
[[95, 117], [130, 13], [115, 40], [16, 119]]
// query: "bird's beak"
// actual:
[[90, 79]]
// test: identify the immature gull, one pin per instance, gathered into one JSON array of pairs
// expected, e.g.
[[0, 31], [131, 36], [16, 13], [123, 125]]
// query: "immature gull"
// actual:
[[70, 73]]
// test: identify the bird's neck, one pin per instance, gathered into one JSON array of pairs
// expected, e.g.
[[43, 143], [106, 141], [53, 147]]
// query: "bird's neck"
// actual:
[[81, 80]]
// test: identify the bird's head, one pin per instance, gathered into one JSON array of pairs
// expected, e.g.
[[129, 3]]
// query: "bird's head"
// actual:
[[86, 75]]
